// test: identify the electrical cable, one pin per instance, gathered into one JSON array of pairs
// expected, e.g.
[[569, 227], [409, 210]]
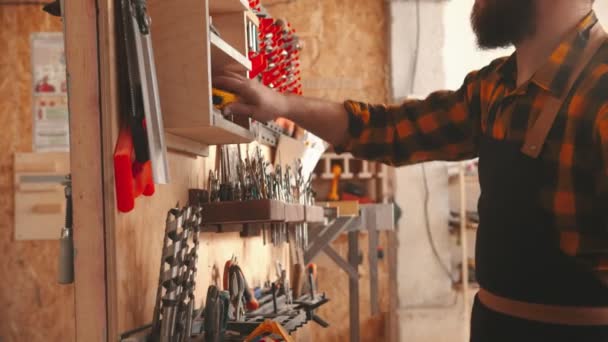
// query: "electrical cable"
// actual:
[[414, 72], [434, 248], [427, 224]]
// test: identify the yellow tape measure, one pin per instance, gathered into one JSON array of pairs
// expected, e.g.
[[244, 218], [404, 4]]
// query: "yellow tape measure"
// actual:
[[222, 98]]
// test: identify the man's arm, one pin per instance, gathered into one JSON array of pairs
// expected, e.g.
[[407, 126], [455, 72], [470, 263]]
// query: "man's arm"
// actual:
[[328, 120], [444, 126]]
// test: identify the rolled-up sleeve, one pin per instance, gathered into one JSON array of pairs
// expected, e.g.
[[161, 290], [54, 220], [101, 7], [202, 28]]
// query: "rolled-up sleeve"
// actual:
[[444, 126]]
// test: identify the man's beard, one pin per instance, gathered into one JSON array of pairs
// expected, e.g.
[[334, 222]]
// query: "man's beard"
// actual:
[[501, 23]]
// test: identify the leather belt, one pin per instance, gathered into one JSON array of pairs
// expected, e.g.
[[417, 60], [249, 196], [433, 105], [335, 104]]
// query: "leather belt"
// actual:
[[551, 314]]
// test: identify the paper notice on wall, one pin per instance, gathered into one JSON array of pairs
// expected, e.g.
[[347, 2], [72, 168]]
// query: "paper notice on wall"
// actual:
[[49, 88]]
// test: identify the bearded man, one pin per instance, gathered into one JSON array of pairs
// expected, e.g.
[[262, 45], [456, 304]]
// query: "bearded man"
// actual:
[[538, 122]]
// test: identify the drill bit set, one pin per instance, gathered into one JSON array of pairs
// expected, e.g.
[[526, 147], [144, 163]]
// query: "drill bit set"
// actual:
[[174, 309], [175, 317], [253, 178], [254, 182]]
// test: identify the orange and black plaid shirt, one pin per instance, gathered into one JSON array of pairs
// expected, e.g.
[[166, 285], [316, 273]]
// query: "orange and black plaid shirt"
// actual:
[[447, 125]]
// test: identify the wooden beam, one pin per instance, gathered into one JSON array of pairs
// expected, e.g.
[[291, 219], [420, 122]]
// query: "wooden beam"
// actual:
[[81, 37], [110, 126]]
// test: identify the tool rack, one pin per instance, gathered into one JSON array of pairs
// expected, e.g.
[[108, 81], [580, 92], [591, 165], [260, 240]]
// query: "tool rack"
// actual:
[[186, 62], [241, 215], [291, 316]]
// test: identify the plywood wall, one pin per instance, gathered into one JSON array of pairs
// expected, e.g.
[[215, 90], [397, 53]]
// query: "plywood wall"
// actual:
[[345, 56], [34, 306], [139, 237]]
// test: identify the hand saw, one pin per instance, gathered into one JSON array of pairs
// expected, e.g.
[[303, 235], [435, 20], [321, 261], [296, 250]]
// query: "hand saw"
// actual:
[[146, 119], [140, 156]]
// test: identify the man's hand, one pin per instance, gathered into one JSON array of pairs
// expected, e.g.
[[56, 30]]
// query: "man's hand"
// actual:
[[327, 120], [254, 99]]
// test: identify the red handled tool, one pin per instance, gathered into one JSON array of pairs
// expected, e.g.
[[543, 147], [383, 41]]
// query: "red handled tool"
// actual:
[[132, 178], [231, 267]]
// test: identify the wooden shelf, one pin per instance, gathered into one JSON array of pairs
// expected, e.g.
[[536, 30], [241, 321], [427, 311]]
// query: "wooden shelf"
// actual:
[[184, 145], [256, 211], [259, 211], [223, 54], [345, 208], [227, 6], [222, 131], [186, 52], [314, 214], [294, 213]]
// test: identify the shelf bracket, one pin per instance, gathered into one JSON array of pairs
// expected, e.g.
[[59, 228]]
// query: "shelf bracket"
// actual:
[[350, 270], [327, 235]]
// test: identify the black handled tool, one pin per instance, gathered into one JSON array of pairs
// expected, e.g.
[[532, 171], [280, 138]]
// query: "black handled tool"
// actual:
[[66, 242]]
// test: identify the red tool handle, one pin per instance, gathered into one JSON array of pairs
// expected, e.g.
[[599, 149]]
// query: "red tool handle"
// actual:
[[225, 280], [132, 179], [250, 301]]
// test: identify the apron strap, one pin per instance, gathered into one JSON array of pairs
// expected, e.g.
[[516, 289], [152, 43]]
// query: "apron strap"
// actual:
[[537, 135]]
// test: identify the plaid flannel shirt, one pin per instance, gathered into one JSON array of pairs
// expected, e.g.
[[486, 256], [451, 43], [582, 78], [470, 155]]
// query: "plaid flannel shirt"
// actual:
[[447, 126]]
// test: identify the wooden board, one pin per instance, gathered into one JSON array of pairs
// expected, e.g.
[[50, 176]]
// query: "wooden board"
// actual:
[[345, 208], [36, 307], [244, 212], [182, 61], [84, 97], [314, 214], [40, 206], [227, 6], [294, 213], [224, 132], [185, 145], [109, 130], [224, 54], [232, 28]]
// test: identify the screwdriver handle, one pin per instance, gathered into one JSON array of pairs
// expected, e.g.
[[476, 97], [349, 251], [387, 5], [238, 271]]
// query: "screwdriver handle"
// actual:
[[250, 300], [66, 241], [66, 257], [252, 303], [298, 280]]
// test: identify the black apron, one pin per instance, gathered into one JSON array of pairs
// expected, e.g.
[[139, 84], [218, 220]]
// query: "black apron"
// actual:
[[518, 253]]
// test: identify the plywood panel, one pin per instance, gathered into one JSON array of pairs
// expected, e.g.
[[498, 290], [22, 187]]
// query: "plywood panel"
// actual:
[[345, 56], [35, 307], [345, 46], [40, 207]]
